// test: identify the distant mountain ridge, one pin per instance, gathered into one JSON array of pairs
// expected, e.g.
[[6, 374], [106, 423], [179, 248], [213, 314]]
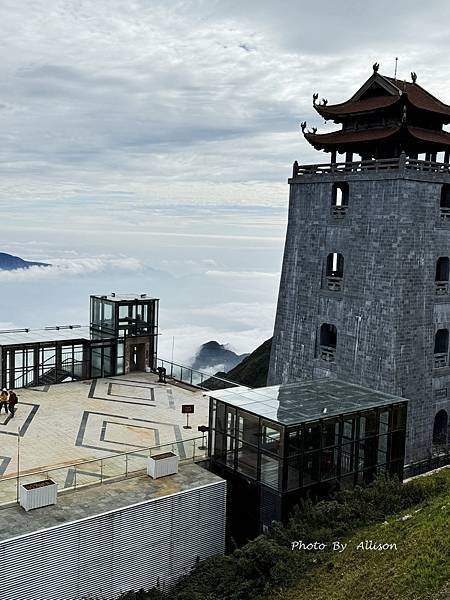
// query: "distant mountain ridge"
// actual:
[[8, 262], [213, 354], [252, 371]]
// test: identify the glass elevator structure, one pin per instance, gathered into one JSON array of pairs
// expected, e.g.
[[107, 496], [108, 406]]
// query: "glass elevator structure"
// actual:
[[279, 444], [121, 337]]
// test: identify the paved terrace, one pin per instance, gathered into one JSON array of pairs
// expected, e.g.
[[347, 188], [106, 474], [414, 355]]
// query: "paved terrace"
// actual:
[[99, 499], [69, 423]]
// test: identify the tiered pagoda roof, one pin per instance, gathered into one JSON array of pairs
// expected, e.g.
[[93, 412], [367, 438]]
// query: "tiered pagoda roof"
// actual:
[[385, 117]]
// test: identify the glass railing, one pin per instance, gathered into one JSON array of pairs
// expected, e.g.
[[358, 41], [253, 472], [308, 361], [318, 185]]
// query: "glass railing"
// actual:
[[102, 470], [194, 377]]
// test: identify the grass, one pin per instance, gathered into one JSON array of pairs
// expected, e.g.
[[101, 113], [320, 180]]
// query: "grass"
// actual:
[[418, 570]]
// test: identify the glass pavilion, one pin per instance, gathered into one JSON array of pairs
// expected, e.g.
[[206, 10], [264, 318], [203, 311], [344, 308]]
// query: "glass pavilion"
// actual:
[[278, 444], [122, 337]]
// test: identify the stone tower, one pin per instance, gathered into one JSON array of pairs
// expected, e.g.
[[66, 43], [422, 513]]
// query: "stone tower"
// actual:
[[364, 293]]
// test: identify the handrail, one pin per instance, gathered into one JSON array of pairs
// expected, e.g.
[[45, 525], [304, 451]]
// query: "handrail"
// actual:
[[203, 376], [193, 449], [92, 460]]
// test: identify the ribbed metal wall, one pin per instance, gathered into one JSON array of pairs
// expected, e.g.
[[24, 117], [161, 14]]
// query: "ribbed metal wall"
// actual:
[[111, 553]]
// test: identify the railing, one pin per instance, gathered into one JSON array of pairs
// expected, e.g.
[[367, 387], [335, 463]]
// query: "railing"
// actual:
[[384, 164], [440, 360], [334, 283], [339, 212], [102, 470], [328, 353], [445, 213], [193, 377], [441, 459], [441, 288]]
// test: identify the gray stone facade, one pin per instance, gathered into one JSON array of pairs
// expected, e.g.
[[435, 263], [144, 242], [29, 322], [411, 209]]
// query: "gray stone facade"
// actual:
[[387, 312]]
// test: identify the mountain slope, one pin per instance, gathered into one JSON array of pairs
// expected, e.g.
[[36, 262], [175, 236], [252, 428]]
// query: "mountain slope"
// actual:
[[252, 371], [8, 262]]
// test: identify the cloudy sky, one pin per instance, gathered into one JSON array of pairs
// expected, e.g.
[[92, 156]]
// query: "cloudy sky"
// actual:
[[145, 145]]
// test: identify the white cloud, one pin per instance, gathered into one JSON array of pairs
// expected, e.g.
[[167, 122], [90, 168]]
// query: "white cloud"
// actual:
[[65, 268]]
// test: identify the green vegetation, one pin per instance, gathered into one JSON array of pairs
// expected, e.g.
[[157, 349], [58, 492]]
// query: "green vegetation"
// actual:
[[414, 516]]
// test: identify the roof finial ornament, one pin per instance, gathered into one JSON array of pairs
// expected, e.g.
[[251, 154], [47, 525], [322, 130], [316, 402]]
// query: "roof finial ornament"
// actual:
[[413, 76], [375, 67], [324, 101], [303, 126], [315, 96], [313, 130]]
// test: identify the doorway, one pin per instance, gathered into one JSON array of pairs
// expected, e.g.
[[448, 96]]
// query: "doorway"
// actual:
[[137, 357]]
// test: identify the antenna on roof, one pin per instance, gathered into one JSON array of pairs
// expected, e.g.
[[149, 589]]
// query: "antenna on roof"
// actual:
[[396, 64]]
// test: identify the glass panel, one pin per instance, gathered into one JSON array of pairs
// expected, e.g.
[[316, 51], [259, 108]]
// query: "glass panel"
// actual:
[[384, 422], [397, 445], [382, 449], [247, 460], [311, 467], [270, 471], [271, 437], [294, 470], [231, 421], [330, 433], [347, 458], [329, 463], [348, 430], [368, 452], [248, 428], [295, 441], [312, 436], [220, 416], [368, 424]]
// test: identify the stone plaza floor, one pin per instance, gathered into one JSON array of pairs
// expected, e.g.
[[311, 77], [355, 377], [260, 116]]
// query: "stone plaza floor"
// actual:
[[58, 426]]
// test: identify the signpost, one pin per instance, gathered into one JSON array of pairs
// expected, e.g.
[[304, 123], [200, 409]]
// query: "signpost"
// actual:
[[203, 429], [187, 409]]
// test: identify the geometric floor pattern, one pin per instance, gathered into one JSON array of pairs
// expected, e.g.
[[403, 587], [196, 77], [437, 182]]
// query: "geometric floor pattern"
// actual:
[[63, 424]]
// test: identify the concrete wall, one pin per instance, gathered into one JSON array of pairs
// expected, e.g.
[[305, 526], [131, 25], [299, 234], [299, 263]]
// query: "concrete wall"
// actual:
[[387, 313], [111, 553]]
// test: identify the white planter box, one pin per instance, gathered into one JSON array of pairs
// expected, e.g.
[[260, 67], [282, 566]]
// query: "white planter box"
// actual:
[[38, 494], [161, 465]]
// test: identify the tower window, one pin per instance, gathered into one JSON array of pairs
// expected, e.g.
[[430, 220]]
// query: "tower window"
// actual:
[[328, 339], [441, 348], [440, 429], [339, 200], [442, 273], [445, 202], [335, 271]]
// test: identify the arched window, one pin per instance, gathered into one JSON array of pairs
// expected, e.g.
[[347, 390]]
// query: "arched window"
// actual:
[[440, 429], [339, 200], [441, 348], [335, 271], [442, 273], [445, 202], [328, 341]]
